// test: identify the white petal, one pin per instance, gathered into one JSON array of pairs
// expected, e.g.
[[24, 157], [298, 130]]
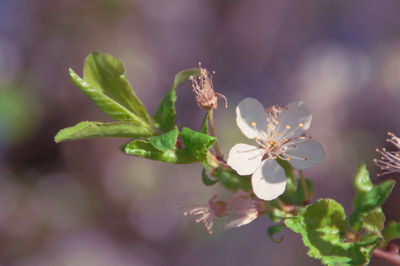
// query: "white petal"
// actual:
[[248, 112], [304, 153], [245, 159], [269, 181], [297, 117]]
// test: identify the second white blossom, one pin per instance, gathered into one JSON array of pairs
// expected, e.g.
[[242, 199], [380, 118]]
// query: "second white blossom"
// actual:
[[278, 133]]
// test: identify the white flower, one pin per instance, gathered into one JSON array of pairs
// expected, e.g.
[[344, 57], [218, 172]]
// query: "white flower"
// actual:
[[277, 132]]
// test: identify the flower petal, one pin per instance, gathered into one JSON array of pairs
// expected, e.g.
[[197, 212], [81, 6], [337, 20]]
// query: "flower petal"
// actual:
[[251, 118], [297, 117], [304, 153], [245, 159], [269, 181]]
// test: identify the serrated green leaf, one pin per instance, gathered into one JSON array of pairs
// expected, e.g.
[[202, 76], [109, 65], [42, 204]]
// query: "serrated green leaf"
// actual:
[[145, 149], [165, 116], [105, 83], [391, 232], [274, 230], [231, 180], [324, 229], [197, 144], [89, 129], [204, 125], [165, 141], [371, 200], [372, 220], [206, 179]]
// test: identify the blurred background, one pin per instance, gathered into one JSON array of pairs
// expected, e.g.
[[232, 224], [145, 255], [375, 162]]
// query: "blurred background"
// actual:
[[86, 203]]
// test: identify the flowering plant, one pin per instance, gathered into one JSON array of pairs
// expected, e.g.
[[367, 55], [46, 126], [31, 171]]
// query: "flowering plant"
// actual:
[[267, 178]]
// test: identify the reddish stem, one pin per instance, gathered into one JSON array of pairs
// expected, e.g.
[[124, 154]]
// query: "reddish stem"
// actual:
[[391, 257]]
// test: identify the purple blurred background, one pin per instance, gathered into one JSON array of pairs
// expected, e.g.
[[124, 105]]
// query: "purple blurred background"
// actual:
[[86, 203]]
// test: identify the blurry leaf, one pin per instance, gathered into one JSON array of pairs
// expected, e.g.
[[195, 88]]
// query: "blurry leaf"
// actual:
[[206, 179], [105, 83], [89, 129], [165, 116], [324, 229], [275, 229], [391, 232], [197, 143], [165, 141], [373, 221], [204, 125], [370, 201], [145, 149], [362, 181], [231, 180]]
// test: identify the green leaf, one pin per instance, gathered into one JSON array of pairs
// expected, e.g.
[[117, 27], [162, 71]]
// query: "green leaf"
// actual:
[[391, 232], [371, 200], [105, 83], [204, 125], [165, 116], [88, 129], [145, 149], [362, 181], [297, 196], [206, 179], [274, 230], [324, 230], [231, 180], [165, 141], [373, 221], [197, 144]]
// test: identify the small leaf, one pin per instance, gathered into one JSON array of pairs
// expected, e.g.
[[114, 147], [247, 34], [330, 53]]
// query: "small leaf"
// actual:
[[105, 83], [206, 179], [373, 221], [324, 230], [371, 200], [391, 232], [204, 125], [231, 180], [275, 229], [145, 149], [197, 144], [165, 141], [165, 116], [362, 181], [88, 129]]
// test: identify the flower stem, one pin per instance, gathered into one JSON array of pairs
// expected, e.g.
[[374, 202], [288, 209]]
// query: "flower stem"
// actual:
[[212, 130], [304, 186]]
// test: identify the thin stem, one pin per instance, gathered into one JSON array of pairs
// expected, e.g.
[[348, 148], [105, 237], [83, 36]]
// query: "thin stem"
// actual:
[[304, 186], [283, 206], [212, 130], [391, 257]]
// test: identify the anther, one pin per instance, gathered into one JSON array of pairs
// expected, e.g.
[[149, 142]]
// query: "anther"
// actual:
[[288, 158], [287, 127], [301, 124], [306, 159], [280, 135], [253, 124], [275, 157]]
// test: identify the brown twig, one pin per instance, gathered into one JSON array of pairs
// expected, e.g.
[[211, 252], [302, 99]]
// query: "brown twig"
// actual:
[[389, 256]]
